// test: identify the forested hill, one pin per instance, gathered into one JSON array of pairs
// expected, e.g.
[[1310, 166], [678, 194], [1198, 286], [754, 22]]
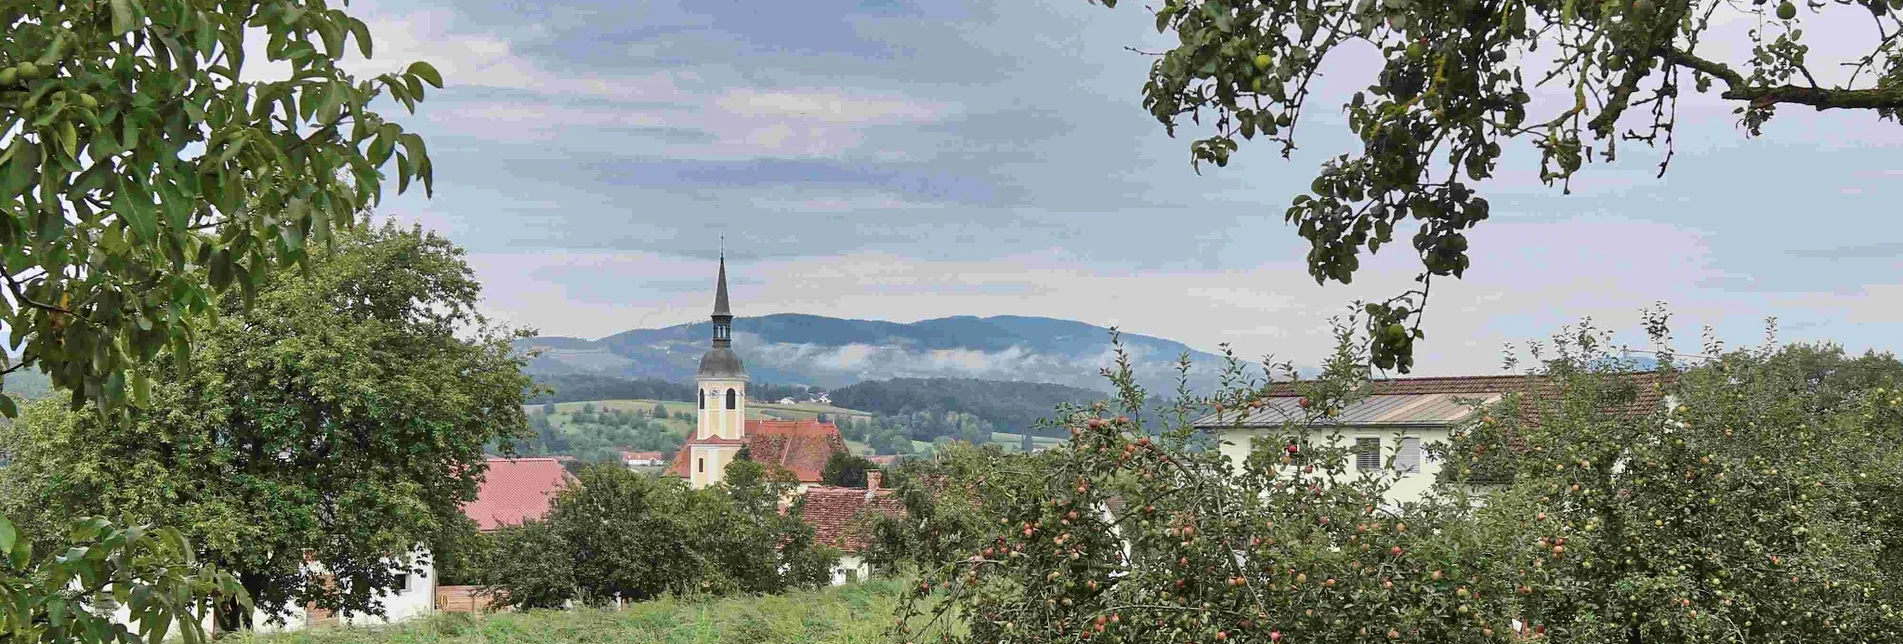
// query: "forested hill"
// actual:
[[580, 387], [832, 352], [1010, 406]]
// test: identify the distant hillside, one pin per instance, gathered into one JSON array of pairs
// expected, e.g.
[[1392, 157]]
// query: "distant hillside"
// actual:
[[26, 384], [832, 352], [1009, 406], [577, 387]]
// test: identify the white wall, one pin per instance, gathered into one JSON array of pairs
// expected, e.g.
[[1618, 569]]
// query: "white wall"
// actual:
[[850, 561], [1407, 487], [416, 601]]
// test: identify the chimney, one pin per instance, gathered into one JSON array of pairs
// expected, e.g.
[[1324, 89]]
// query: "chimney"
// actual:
[[873, 479]]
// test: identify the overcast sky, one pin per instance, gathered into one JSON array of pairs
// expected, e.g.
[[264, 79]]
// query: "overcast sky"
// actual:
[[908, 159]]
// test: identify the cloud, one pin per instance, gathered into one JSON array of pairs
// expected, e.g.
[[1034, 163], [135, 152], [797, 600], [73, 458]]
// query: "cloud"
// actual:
[[918, 160]]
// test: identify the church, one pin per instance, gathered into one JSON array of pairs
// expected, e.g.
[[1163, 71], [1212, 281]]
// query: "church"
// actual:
[[722, 427]]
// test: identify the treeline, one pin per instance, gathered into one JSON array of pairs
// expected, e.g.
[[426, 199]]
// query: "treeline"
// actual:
[[578, 387], [894, 434], [597, 435], [1007, 406]]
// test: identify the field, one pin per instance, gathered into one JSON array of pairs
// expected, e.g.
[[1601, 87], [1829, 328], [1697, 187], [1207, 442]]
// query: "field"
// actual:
[[766, 411], [855, 613]]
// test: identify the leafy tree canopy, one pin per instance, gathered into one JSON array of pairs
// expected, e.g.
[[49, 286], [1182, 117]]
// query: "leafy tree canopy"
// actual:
[[1622, 524], [845, 469], [148, 571], [1453, 91], [144, 172], [343, 415], [621, 534]]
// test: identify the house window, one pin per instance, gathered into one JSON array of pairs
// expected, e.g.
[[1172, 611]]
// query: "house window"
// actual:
[[701, 464], [1367, 454], [403, 583], [732, 399], [1409, 460]]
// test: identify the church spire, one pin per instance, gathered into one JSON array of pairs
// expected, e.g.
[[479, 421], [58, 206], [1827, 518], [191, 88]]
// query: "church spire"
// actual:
[[723, 317]]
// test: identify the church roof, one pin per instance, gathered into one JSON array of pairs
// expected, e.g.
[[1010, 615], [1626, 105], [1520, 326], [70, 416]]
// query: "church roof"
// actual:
[[721, 362], [514, 490], [800, 446]]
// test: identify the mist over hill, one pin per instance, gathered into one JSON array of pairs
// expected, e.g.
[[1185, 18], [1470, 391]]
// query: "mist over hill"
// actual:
[[831, 352]]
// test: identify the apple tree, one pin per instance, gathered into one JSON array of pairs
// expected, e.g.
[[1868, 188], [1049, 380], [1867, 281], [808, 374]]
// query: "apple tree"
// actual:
[[1704, 522], [1453, 89], [143, 171], [1128, 535]]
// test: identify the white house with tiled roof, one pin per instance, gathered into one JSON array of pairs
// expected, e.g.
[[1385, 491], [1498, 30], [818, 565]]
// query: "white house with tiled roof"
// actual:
[[1399, 417]]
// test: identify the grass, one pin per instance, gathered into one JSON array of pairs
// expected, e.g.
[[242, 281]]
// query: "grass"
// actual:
[[850, 614]]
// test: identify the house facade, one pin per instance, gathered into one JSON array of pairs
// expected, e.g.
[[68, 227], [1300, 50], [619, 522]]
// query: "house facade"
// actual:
[[642, 459], [1398, 418]]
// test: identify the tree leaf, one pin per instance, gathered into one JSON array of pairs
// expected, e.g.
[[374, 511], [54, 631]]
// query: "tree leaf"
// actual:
[[135, 208], [426, 72], [7, 533], [122, 20]]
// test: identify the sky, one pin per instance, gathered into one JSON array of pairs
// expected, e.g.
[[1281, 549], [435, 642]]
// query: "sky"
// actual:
[[908, 159]]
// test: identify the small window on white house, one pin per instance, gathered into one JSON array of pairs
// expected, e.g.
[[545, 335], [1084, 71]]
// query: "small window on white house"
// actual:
[[403, 583], [1409, 460], [1367, 454]]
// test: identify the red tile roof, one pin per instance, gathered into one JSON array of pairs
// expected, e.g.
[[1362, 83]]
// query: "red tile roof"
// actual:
[[838, 514], [640, 456], [516, 490], [802, 446]]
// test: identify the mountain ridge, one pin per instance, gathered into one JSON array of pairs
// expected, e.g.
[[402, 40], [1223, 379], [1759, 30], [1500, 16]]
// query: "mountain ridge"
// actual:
[[807, 349]]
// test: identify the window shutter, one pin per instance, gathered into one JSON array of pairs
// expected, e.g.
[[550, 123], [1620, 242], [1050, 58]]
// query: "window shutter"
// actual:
[[1409, 460], [1367, 454]]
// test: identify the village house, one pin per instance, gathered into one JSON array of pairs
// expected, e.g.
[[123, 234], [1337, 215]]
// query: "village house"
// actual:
[[642, 459], [839, 518], [1398, 417]]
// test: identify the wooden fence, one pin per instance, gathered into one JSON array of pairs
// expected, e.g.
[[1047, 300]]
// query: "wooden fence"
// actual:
[[462, 599]]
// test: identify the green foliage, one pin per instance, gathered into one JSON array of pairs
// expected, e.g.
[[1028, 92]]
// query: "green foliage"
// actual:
[[149, 572], [851, 614], [953, 502], [1620, 524], [620, 534], [527, 566], [846, 470], [599, 435], [1766, 482], [894, 434], [144, 174], [1451, 95], [1011, 406], [342, 416]]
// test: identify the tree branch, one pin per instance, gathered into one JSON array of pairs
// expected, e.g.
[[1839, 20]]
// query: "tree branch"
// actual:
[[1760, 96]]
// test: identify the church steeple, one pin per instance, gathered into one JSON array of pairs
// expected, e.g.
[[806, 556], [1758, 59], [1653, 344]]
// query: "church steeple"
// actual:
[[723, 317]]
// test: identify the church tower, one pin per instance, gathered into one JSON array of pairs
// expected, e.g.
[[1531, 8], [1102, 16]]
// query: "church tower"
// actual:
[[722, 381]]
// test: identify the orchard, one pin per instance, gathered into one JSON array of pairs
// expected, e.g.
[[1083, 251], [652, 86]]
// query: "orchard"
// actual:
[[1606, 521]]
